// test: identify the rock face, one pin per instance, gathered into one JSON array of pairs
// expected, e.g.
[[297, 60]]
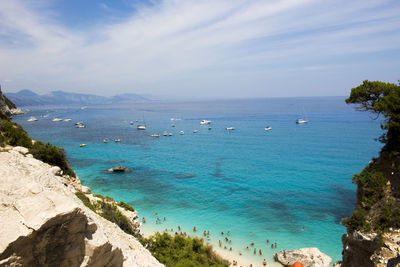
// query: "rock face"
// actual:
[[44, 224], [371, 251], [310, 257]]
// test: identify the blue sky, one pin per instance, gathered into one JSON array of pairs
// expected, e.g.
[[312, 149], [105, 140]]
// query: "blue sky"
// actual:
[[198, 48]]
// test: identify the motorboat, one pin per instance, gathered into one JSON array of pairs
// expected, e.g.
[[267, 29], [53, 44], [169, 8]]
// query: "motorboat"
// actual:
[[155, 135], [205, 122], [165, 134], [268, 128], [195, 131], [82, 145], [80, 125], [170, 134], [32, 119], [209, 127], [67, 120], [131, 122], [56, 119], [173, 125], [230, 128], [117, 140], [105, 140], [181, 132], [301, 121], [141, 127]]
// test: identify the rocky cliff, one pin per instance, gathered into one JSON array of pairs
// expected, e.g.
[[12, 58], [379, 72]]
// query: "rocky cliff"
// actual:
[[7, 107], [45, 224], [373, 231]]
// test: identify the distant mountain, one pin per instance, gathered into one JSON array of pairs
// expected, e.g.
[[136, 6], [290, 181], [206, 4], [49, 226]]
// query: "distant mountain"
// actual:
[[29, 98]]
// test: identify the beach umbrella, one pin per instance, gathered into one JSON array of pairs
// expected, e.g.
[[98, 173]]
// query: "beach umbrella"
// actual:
[[298, 264]]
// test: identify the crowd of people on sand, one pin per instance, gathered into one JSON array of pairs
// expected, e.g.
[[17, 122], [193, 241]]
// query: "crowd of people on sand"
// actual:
[[224, 243]]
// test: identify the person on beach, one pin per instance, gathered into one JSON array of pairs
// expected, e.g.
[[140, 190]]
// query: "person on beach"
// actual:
[[220, 243], [204, 233], [208, 232], [247, 248], [264, 262]]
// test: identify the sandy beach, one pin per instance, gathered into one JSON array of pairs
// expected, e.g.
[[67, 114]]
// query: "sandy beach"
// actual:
[[243, 260]]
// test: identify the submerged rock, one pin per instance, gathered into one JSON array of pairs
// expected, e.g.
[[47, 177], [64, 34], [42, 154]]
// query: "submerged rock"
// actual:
[[310, 257]]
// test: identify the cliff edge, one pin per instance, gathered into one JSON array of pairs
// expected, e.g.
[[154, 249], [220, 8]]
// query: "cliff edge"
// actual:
[[45, 224]]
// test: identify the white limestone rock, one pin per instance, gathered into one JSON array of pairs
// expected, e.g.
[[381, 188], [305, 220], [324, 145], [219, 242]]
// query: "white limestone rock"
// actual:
[[21, 149], [310, 257], [44, 224]]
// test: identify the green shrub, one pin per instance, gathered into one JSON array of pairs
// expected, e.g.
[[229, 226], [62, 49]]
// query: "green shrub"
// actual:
[[389, 216], [85, 200], [181, 251], [357, 221], [51, 155], [110, 212], [14, 134], [372, 184], [125, 206]]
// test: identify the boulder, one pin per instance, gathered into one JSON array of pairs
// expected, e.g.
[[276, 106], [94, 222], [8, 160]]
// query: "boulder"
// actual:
[[310, 257], [21, 149]]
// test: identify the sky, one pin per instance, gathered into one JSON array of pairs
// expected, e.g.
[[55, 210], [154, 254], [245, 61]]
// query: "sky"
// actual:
[[198, 48]]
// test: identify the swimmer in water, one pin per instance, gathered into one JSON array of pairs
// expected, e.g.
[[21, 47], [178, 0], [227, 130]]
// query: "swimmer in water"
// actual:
[[260, 252], [143, 220], [194, 229]]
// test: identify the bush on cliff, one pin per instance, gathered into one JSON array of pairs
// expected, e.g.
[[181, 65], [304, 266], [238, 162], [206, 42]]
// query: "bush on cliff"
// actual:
[[51, 155], [181, 251], [14, 134]]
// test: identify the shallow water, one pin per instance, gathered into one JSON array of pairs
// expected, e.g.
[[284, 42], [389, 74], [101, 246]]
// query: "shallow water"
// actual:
[[248, 180]]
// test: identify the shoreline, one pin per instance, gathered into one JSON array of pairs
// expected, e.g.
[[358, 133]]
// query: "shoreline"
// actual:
[[243, 260]]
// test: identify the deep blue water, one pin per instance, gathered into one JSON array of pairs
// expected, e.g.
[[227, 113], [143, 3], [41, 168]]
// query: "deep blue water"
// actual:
[[247, 180]]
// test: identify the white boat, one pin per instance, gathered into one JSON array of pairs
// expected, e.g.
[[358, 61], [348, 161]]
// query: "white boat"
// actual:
[[67, 120], [82, 145], [80, 125], [181, 132], [268, 128], [32, 119], [105, 140], [209, 127], [165, 134], [301, 121], [205, 122], [230, 128], [141, 127], [131, 122], [170, 134], [117, 140], [195, 131], [56, 119], [155, 135]]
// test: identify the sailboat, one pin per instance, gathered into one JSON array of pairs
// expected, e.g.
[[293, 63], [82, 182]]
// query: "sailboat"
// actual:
[[301, 120], [141, 126]]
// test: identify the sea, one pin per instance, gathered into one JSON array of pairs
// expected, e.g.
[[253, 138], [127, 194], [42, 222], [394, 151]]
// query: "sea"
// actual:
[[291, 185]]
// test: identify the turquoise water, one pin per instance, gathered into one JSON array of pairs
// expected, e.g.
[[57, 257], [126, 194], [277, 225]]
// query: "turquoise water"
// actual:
[[248, 180]]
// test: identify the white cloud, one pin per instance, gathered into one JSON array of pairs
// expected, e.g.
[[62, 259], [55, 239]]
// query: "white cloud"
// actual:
[[173, 45]]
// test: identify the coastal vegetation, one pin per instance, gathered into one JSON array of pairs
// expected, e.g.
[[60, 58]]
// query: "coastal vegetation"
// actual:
[[181, 251], [107, 208], [378, 185], [13, 134]]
